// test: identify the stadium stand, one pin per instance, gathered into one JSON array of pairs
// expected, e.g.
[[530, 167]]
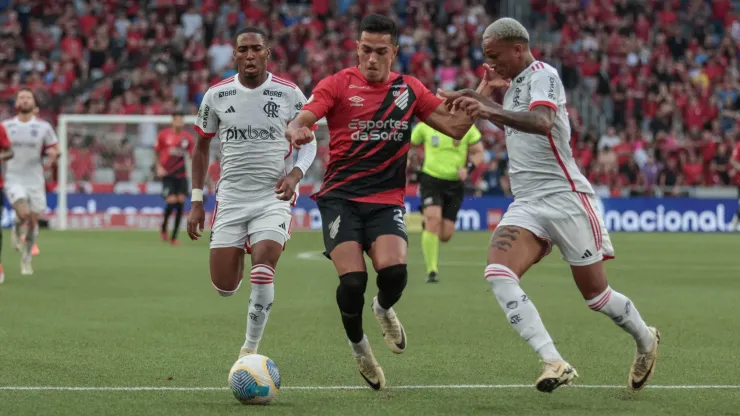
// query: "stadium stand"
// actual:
[[663, 79]]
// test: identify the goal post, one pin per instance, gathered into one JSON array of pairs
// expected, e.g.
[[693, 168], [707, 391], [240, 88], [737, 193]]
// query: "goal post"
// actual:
[[109, 154]]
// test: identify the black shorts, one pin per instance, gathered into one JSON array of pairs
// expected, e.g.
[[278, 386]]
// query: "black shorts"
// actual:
[[343, 220], [446, 194], [174, 186]]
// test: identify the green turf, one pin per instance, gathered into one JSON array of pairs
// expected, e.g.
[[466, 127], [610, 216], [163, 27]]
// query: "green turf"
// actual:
[[117, 309]]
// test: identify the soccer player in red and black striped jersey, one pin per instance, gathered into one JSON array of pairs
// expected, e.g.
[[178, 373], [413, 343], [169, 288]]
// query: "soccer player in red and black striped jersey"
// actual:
[[173, 146], [369, 111]]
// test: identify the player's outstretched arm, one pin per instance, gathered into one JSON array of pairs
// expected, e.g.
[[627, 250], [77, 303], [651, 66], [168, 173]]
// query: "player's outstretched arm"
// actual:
[[453, 124], [539, 120], [286, 186], [299, 132]]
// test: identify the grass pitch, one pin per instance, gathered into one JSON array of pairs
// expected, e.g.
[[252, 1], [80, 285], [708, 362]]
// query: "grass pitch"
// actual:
[[121, 311]]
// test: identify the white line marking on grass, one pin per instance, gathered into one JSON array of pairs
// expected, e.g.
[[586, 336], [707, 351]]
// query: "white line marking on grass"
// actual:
[[417, 387], [481, 263]]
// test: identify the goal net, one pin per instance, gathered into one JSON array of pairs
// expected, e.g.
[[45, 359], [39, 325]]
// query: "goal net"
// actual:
[[106, 177]]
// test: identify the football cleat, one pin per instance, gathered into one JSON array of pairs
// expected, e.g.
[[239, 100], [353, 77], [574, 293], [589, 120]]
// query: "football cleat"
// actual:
[[165, 238], [246, 351], [432, 278], [393, 332], [2, 274], [555, 374], [370, 369], [643, 367]]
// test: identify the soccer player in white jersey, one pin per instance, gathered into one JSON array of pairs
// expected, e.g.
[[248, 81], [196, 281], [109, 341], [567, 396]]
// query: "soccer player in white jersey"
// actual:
[[554, 204], [31, 139], [249, 113]]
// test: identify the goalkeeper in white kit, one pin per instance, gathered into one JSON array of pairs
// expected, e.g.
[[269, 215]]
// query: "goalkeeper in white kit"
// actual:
[[31, 139]]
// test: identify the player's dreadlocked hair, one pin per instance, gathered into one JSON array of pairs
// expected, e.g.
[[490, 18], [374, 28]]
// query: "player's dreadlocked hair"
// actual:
[[376, 23], [249, 30], [507, 29]]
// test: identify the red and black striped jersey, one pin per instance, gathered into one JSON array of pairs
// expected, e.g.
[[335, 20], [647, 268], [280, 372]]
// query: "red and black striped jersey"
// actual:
[[173, 147], [370, 131]]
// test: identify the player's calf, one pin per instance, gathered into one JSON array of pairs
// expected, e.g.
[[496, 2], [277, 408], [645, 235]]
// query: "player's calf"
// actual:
[[351, 300], [520, 311], [391, 282]]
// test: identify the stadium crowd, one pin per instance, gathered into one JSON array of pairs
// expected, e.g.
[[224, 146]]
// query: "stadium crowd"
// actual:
[[664, 72]]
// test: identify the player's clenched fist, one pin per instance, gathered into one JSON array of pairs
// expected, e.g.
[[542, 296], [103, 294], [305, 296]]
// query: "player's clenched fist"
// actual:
[[285, 188], [196, 220], [298, 137]]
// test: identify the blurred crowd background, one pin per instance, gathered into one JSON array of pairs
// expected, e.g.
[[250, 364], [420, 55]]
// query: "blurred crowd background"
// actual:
[[653, 85]]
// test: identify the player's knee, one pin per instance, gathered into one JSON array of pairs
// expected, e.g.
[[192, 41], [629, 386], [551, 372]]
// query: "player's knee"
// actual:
[[392, 280], [351, 292], [226, 289], [432, 224], [445, 237]]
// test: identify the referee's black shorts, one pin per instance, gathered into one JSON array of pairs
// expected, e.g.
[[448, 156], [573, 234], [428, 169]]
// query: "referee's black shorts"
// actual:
[[442, 193]]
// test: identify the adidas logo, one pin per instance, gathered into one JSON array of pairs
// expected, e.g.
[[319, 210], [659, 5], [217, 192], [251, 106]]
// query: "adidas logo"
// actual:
[[230, 110], [282, 226], [586, 255]]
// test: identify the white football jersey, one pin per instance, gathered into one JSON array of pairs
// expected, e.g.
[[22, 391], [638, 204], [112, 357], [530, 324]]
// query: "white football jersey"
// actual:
[[250, 125], [541, 165], [29, 141]]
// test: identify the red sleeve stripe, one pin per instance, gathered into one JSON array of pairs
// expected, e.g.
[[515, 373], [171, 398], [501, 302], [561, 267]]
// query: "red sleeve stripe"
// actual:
[[545, 103], [284, 82], [222, 82], [49, 146], [204, 134]]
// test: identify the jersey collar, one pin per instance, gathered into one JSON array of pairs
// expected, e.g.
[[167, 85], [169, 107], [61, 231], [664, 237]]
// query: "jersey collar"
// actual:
[[260, 88]]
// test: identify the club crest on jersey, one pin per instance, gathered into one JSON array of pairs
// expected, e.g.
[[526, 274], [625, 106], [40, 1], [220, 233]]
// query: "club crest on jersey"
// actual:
[[271, 109], [34, 132], [403, 100]]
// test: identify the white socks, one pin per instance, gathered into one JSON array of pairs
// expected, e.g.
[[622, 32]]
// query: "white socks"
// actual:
[[520, 311], [621, 310], [361, 348], [260, 303]]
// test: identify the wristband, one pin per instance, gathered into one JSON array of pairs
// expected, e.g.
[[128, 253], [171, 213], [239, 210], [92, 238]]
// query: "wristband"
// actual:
[[196, 195]]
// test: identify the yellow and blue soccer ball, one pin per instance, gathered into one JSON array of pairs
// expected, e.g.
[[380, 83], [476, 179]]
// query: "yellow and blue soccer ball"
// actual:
[[254, 379]]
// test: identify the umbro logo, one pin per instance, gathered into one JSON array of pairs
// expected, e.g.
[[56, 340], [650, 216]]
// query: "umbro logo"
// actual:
[[230, 110], [587, 254], [356, 101]]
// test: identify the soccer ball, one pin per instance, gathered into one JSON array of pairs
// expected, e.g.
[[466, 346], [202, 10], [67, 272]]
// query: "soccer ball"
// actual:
[[254, 379]]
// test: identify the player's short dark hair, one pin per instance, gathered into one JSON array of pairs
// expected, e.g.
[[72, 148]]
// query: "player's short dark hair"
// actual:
[[27, 89], [178, 113], [376, 23], [250, 29]]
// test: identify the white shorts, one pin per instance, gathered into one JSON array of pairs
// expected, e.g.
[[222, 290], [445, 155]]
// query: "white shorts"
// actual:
[[568, 220], [235, 222], [36, 197]]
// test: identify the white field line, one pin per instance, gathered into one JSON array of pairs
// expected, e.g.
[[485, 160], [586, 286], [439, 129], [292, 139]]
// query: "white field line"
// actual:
[[614, 264], [412, 387]]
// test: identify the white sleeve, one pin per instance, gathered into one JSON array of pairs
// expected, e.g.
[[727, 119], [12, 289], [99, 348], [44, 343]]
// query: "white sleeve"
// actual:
[[306, 155], [206, 124], [298, 102], [545, 89], [50, 138]]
